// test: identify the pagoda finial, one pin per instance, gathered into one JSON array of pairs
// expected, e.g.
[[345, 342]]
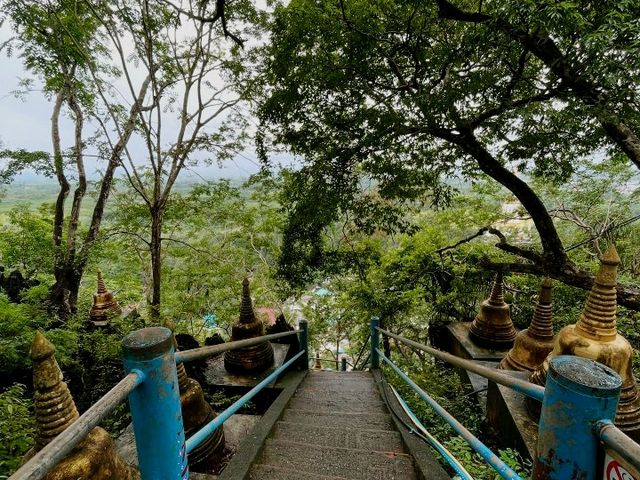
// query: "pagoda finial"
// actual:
[[541, 326], [492, 327], [247, 315], [256, 358], [105, 306], [102, 288], [497, 296], [598, 318]]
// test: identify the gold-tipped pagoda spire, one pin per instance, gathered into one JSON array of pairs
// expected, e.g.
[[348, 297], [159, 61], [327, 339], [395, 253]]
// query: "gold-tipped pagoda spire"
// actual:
[[493, 327], [254, 359], [105, 306], [533, 344], [196, 413], [95, 457], [595, 336]]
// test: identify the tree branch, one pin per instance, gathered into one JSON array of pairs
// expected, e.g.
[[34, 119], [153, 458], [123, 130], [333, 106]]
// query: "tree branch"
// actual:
[[568, 274]]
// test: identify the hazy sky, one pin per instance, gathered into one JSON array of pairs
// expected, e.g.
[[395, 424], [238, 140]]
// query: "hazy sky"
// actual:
[[25, 123]]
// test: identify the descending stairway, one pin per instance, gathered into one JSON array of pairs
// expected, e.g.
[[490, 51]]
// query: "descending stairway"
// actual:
[[335, 427]]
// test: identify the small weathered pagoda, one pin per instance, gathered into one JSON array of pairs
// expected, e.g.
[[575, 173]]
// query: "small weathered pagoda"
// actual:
[[105, 306], [533, 344], [595, 336], [254, 359], [95, 457], [196, 413], [493, 328]]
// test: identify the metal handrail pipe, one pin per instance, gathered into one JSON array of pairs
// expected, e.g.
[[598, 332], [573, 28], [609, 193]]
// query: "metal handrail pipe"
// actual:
[[619, 442], [522, 386], [488, 456], [433, 441], [58, 448], [205, 352], [331, 360], [204, 433]]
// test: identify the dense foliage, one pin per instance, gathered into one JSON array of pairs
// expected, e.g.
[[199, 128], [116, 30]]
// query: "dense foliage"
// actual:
[[434, 143]]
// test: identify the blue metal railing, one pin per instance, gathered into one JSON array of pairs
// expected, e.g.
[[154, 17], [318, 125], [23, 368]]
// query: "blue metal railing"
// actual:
[[579, 403], [152, 386], [487, 455]]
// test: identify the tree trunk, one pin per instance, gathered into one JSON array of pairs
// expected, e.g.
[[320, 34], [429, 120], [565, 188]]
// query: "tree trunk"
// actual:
[[69, 268], [63, 296], [553, 250], [155, 247]]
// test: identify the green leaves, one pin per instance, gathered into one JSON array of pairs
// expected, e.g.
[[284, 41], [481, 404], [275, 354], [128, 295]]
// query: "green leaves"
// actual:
[[16, 428]]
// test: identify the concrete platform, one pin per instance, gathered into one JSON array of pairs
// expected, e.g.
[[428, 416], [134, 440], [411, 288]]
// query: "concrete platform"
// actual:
[[235, 430], [507, 414], [216, 374]]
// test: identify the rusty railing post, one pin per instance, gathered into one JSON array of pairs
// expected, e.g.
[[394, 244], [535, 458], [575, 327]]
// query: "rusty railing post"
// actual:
[[579, 392]]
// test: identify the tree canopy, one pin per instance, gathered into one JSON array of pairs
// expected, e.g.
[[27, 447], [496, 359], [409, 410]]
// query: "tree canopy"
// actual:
[[390, 103]]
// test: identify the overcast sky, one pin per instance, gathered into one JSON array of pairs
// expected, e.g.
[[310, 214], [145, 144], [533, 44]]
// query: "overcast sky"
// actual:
[[25, 123]]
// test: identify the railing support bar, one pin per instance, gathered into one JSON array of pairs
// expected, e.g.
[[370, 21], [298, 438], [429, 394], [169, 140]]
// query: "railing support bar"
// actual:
[[206, 352], [498, 465], [618, 441], [375, 342], [202, 434], [303, 326], [522, 386], [155, 405]]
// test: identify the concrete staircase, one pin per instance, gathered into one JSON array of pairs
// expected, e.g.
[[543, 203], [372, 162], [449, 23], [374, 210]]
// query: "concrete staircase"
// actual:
[[335, 427]]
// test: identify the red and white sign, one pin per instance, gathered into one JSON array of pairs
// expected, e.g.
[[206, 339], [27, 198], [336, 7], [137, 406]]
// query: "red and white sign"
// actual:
[[615, 470]]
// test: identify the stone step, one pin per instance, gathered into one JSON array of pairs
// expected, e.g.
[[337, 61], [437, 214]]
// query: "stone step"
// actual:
[[343, 437], [359, 388], [341, 462], [339, 389], [343, 379], [370, 420], [333, 374], [271, 472], [346, 396], [329, 405]]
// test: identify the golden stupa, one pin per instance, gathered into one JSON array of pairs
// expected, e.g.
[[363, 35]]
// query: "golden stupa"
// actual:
[[254, 359], [533, 344], [595, 336], [95, 457], [105, 306], [196, 413], [493, 328]]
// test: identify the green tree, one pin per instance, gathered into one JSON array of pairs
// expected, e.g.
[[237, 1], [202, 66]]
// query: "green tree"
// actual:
[[61, 44], [191, 115], [25, 242], [590, 49], [215, 234], [387, 102]]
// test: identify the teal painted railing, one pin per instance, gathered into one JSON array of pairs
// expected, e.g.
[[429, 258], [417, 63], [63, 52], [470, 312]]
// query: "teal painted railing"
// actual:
[[151, 384], [579, 403]]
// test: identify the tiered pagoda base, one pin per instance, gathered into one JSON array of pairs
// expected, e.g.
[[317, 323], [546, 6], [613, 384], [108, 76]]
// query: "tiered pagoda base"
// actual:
[[217, 374], [461, 345]]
